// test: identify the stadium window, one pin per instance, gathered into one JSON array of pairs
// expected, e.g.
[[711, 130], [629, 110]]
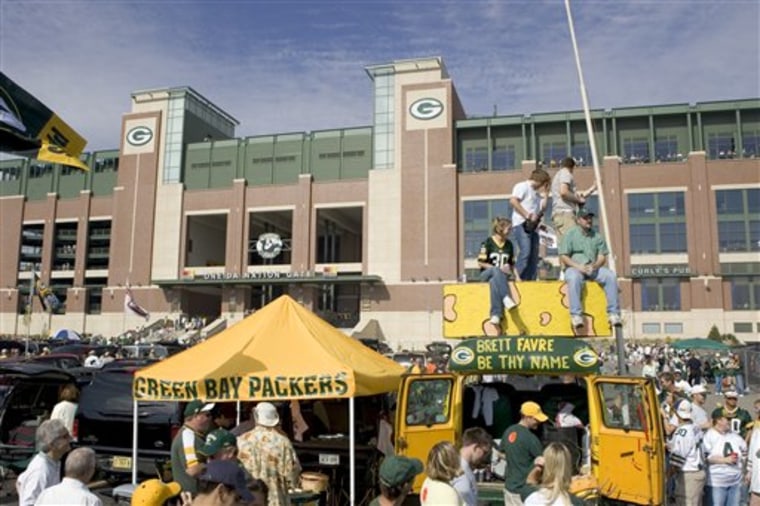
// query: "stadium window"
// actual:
[[673, 328], [738, 214], [581, 152], [477, 222], [553, 153], [657, 223], [666, 149], [751, 144], [742, 327], [503, 158], [650, 328], [660, 294], [476, 159], [721, 145], [745, 293], [635, 150]]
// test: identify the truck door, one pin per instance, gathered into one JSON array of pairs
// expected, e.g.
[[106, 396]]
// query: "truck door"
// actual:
[[426, 414], [627, 443]]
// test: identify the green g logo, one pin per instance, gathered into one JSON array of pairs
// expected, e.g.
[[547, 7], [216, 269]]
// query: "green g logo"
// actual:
[[426, 108], [139, 136]]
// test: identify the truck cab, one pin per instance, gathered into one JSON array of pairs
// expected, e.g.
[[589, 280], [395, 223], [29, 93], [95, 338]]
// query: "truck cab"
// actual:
[[490, 378]]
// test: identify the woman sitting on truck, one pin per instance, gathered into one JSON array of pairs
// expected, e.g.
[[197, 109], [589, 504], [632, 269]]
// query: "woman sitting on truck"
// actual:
[[443, 465]]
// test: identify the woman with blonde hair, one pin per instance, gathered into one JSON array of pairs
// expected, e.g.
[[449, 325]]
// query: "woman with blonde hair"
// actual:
[[555, 479], [65, 410], [443, 465]]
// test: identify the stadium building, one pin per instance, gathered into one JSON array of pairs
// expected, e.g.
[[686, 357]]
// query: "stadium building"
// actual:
[[369, 223]]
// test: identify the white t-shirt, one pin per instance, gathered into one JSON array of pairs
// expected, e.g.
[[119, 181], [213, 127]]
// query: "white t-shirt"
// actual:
[[558, 205], [541, 498], [716, 444], [69, 491], [438, 493], [754, 461], [65, 411], [42, 472], [528, 198]]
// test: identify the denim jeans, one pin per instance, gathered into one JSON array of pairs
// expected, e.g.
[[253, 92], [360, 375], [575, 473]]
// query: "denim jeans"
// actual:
[[740, 388], [605, 277], [723, 496], [718, 384], [499, 288], [527, 253]]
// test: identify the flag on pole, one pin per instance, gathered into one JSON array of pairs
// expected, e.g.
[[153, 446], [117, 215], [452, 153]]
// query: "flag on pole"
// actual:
[[130, 306], [29, 128], [45, 294]]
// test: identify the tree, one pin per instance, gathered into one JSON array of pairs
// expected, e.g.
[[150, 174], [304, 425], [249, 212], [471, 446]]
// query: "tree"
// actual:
[[714, 334]]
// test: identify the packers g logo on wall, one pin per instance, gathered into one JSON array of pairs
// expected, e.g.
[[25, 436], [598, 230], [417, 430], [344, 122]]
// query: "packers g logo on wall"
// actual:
[[585, 357], [426, 108], [139, 136], [462, 356]]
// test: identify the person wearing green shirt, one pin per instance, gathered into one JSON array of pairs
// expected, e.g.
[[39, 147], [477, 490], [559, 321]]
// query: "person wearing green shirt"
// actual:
[[739, 418], [523, 451], [583, 253]]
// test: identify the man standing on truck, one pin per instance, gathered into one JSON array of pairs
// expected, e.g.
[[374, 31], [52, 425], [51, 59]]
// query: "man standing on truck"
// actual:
[[186, 458], [583, 253], [523, 452]]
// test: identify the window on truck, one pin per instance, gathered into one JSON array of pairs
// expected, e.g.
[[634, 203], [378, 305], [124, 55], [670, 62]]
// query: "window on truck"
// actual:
[[623, 408], [428, 402]]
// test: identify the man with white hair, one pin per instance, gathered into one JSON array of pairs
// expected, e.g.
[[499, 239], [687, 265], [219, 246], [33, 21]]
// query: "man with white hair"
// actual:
[[267, 454], [44, 470], [79, 468]]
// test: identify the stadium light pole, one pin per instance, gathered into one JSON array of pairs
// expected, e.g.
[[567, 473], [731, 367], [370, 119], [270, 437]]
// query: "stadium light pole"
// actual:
[[597, 175]]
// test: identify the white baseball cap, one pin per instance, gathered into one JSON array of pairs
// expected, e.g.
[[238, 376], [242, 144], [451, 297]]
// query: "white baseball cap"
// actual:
[[684, 410], [698, 389]]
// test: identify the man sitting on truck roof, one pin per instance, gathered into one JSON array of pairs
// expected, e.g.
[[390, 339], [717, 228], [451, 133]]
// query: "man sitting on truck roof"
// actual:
[[523, 452]]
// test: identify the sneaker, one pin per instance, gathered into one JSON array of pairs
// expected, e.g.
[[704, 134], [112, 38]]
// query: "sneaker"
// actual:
[[615, 320], [577, 321], [508, 302], [495, 320]]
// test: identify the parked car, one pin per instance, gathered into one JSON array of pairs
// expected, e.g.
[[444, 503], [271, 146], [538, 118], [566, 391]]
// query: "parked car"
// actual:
[[406, 358], [59, 360], [22, 346], [28, 392], [105, 420]]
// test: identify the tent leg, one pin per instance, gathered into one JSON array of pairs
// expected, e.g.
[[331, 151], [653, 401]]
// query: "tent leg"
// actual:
[[134, 442], [238, 412], [351, 449]]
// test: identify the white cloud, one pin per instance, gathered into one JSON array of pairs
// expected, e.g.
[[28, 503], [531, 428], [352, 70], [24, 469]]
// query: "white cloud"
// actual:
[[293, 66]]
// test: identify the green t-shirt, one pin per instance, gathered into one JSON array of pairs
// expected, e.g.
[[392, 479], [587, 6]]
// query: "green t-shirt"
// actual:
[[497, 255], [521, 448], [583, 248], [744, 419]]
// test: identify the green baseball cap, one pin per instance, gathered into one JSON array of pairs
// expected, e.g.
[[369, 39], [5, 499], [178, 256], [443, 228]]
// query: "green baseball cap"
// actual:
[[395, 471], [195, 407], [216, 441]]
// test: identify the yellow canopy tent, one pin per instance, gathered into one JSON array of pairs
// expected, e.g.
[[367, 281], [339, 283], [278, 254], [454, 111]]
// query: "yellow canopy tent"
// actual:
[[283, 351]]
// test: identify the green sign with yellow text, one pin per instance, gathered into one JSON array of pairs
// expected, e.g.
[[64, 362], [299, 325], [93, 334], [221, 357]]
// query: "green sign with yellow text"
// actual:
[[524, 355]]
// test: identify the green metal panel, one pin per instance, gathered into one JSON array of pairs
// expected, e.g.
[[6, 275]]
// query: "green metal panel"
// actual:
[[70, 183], [103, 183], [510, 137], [357, 153], [197, 165], [223, 163], [326, 155], [288, 158], [11, 176], [259, 160], [728, 105], [41, 180]]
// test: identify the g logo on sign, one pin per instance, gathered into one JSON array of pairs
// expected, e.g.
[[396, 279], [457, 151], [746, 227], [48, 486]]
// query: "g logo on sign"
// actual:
[[139, 136], [426, 108]]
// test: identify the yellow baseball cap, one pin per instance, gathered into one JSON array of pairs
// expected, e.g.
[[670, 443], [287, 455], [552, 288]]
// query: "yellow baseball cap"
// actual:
[[154, 492], [532, 409]]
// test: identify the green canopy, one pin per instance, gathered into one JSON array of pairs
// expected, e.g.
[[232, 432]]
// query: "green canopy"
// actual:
[[700, 343]]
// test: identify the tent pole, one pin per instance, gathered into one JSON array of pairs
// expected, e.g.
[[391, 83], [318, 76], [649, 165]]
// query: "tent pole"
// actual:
[[238, 412], [351, 449], [134, 442]]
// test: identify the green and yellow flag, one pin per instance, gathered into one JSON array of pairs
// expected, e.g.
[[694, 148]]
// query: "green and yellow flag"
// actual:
[[28, 128]]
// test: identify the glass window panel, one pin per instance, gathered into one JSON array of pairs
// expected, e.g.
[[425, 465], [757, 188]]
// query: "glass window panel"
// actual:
[[729, 201], [650, 298], [636, 150], [640, 205], [742, 327], [476, 159], [754, 235], [741, 294], [553, 153], [650, 328], [475, 210], [672, 238], [666, 149], [643, 239], [581, 152], [731, 236], [670, 294], [753, 200], [721, 145], [501, 208], [503, 158], [671, 203], [751, 144], [674, 328]]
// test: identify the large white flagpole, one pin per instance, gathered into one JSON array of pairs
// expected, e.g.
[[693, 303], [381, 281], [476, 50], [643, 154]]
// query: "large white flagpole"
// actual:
[[591, 139]]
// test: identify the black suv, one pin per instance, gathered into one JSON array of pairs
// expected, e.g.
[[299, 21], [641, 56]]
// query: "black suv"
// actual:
[[104, 422], [28, 393]]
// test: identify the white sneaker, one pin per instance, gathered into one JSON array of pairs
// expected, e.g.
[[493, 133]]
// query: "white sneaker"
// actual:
[[508, 302], [615, 320], [495, 320], [577, 321]]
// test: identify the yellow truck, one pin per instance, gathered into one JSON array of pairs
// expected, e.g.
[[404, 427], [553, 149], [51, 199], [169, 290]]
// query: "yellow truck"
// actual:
[[490, 377]]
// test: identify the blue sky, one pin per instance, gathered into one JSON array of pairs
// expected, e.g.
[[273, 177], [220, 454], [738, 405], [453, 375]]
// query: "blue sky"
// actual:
[[283, 66]]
